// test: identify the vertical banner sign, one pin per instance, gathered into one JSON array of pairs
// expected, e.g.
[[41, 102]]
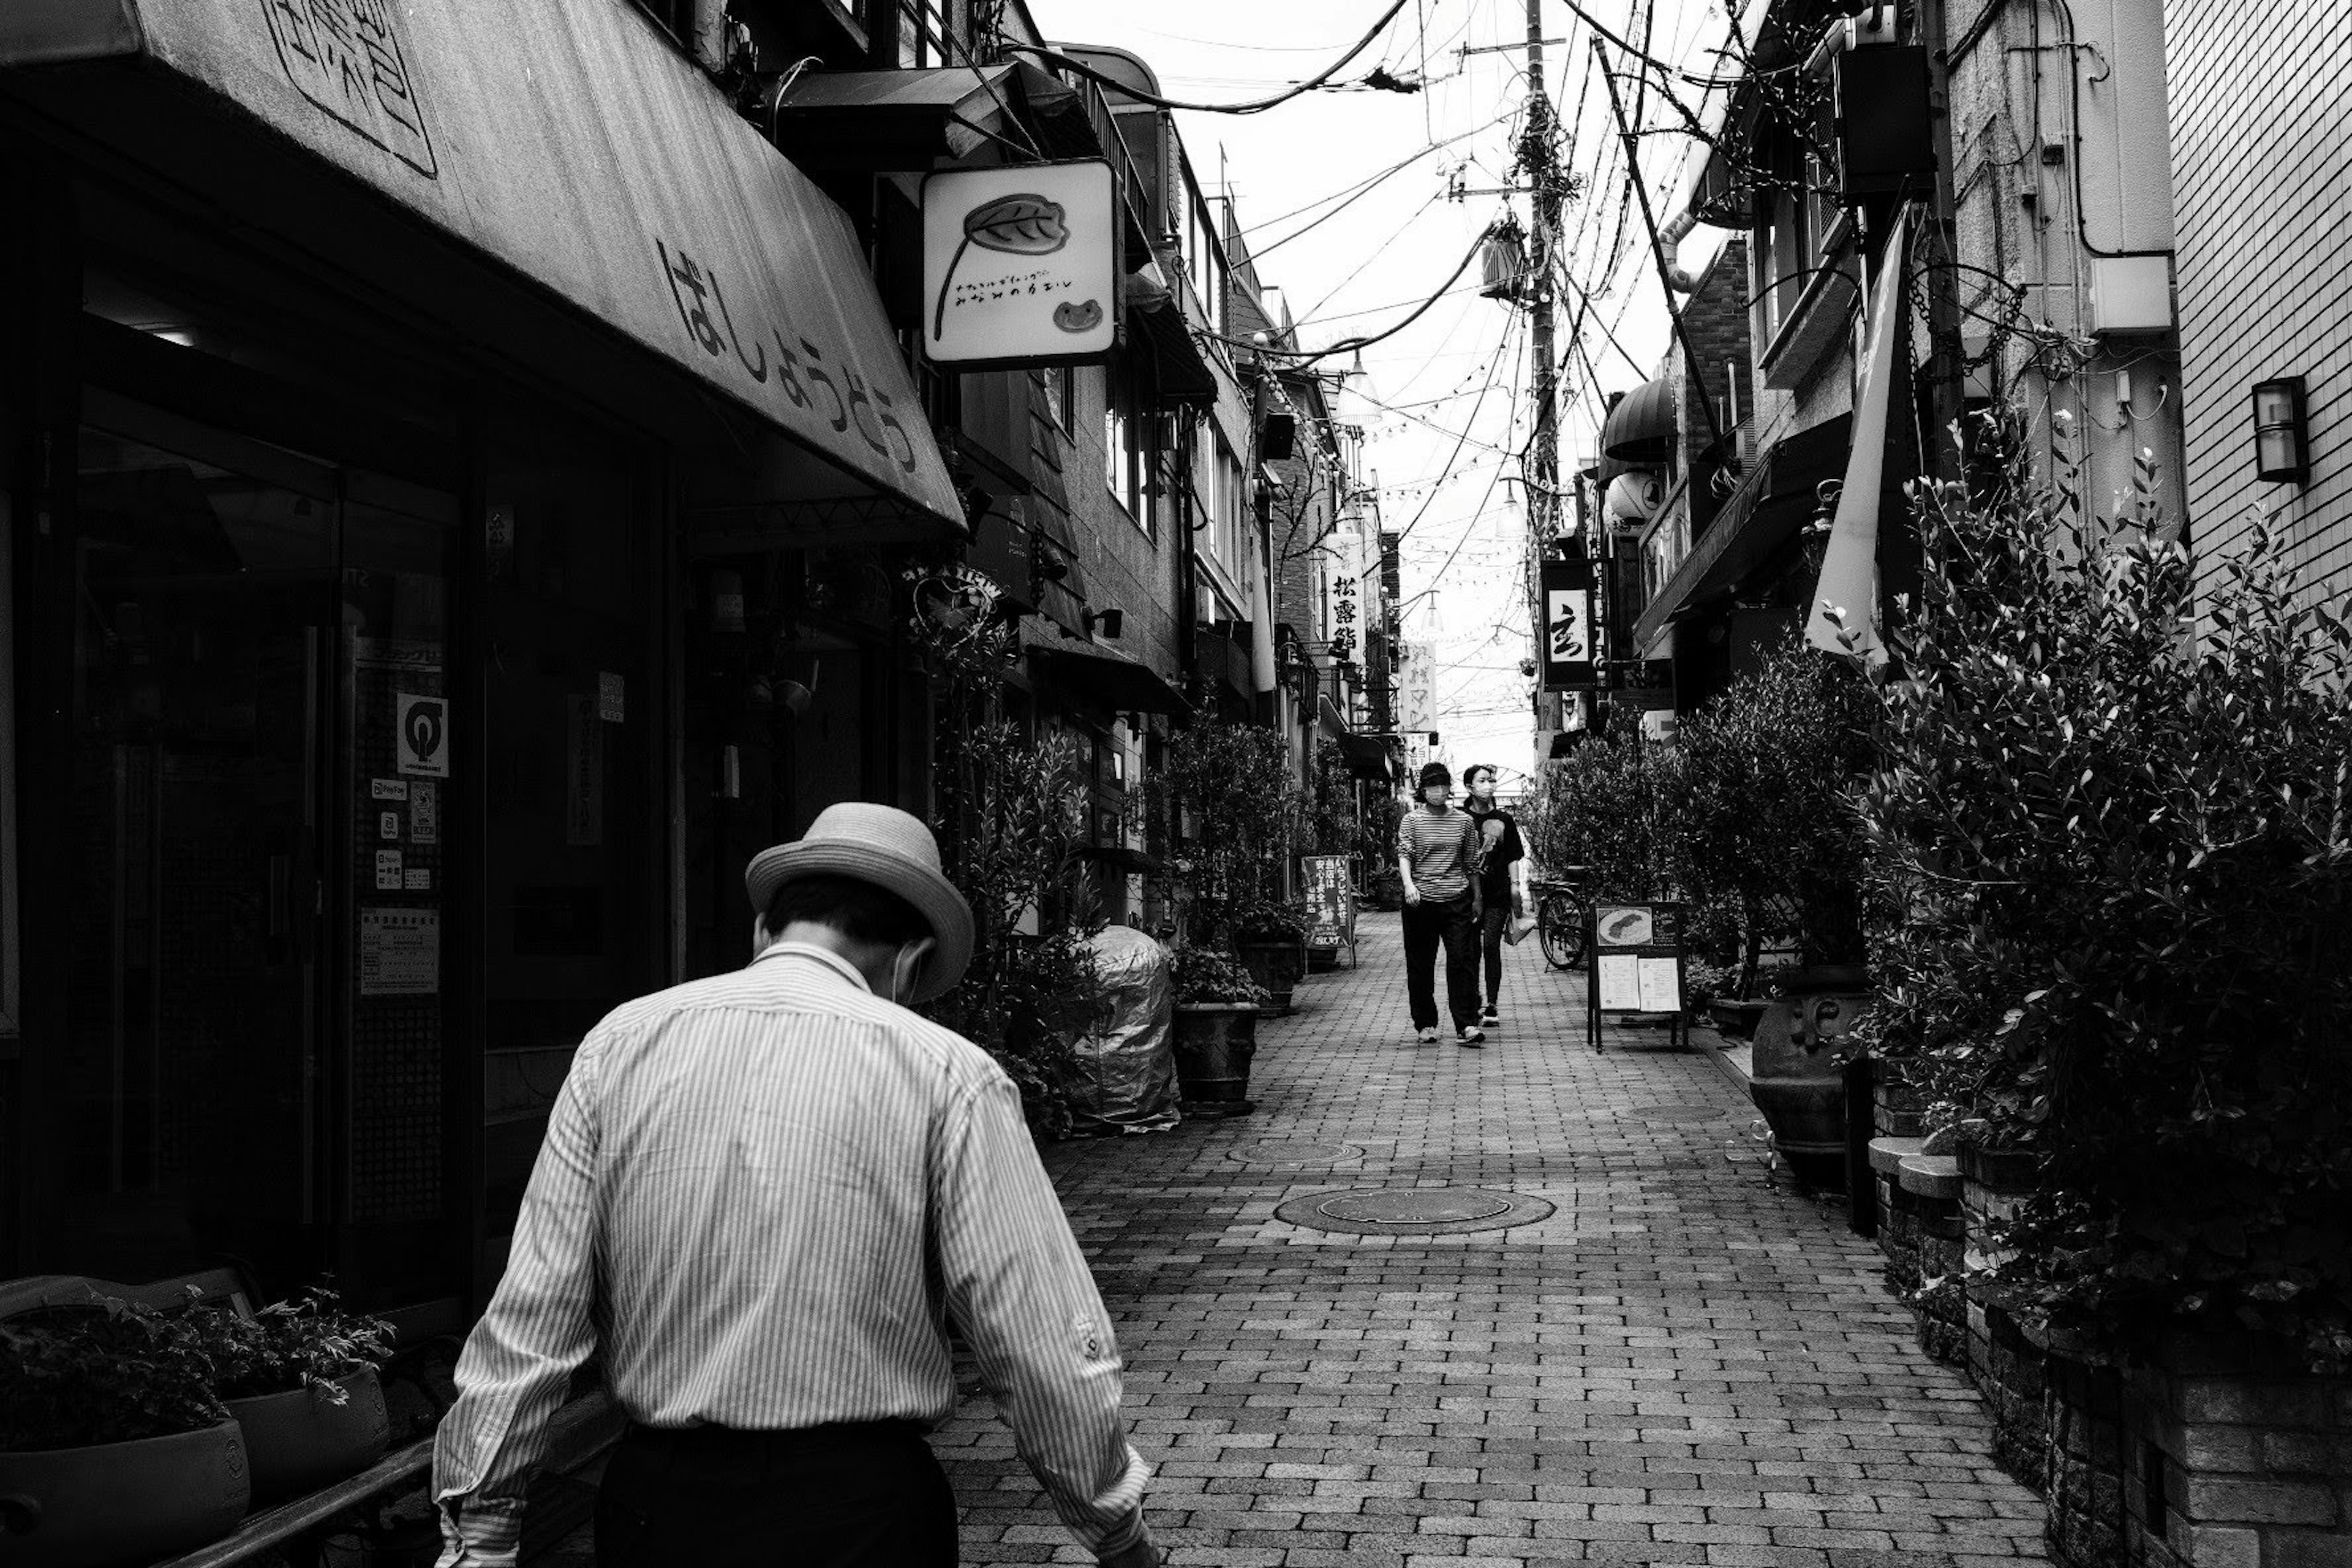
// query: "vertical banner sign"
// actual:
[[1417, 688], [1567, 655], [1020, 265], [1330, 902]]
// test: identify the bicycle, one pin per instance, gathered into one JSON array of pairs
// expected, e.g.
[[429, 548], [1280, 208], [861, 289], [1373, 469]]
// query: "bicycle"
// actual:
[[1563, 917]]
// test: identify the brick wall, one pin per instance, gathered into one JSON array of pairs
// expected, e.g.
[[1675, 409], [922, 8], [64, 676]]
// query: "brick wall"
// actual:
[[2261, 171], [2212, 1451]]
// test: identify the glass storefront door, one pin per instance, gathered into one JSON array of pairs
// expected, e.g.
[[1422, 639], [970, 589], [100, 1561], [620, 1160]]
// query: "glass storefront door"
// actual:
[[252, 1063]]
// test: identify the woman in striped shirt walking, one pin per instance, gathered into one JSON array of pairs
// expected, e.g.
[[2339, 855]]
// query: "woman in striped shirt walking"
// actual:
[[1437, 856]]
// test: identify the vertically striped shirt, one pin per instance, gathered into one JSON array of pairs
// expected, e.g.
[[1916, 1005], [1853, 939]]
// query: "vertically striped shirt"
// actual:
[[760, 1198], [1440, 848]]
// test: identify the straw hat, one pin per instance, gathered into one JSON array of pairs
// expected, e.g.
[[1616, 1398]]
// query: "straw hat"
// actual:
[[886, 846]]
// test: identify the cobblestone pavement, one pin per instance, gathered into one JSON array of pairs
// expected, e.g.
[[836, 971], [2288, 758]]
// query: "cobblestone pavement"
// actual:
[[1688, 1361]]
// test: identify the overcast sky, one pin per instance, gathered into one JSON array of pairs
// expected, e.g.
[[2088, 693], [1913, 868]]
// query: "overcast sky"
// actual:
[[1452, 389]]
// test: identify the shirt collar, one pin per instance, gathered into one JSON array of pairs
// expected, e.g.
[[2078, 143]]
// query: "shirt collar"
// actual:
[[824, 956]]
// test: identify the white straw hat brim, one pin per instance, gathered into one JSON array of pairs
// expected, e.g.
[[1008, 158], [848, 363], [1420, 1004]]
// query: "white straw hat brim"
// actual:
[[931, 894]]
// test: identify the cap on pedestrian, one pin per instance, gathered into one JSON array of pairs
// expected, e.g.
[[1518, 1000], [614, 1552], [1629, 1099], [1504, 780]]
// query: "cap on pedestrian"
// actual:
[[1436, 774], [892, 850]]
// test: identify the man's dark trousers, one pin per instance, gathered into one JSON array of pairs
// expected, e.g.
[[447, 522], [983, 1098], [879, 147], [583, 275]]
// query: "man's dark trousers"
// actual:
[[866, 1496], [1454, 924]]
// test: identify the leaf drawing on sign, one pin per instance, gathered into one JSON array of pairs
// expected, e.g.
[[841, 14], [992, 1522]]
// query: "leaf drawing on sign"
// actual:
[[1024, 223]]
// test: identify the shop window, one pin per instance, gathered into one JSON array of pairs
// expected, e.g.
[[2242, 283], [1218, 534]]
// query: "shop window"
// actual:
[[572, 913], [253, 1063], [11, 949]]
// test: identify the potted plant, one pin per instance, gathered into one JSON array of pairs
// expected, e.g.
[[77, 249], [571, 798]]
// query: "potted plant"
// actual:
[[1217, 1006], [1270, 940], [113, 1447], [1385, 891], [300, 1378]]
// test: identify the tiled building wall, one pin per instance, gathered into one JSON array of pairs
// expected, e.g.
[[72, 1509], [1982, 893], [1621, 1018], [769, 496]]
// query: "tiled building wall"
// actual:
[[2261, 171]]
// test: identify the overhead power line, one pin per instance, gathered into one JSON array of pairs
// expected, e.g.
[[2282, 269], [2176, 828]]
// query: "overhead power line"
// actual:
[[1258, 106]]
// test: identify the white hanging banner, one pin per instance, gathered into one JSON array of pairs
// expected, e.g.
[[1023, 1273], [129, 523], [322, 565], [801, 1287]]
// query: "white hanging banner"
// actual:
[[1849, 581]]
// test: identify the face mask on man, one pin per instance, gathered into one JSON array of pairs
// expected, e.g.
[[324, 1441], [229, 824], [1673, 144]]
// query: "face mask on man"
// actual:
[[1435, 794], [906, 970]]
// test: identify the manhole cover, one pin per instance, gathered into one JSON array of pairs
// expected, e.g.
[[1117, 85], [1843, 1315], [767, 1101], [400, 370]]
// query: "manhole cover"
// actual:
[[1679, 1112], [1414, 1211], [1295, 1151], [1414, 1205]]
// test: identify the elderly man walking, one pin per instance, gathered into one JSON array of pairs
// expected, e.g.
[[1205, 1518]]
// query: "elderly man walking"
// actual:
[[761, 1198]]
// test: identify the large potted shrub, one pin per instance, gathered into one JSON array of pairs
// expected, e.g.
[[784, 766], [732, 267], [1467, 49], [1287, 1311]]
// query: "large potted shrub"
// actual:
[[300, 1379], [1232, 794], [113, 1447], [2111, 833], [1270, 940], [1217, 1006]]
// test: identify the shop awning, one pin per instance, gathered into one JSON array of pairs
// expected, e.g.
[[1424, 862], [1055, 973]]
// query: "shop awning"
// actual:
[[1844, 615], [1775, 498], [1369, 757], [557, 183], [1121, 684], [1640, 432], [909, 119]]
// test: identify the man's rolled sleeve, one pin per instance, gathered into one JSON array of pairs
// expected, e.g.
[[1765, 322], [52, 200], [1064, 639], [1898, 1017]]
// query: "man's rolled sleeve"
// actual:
[[1019, 1288]]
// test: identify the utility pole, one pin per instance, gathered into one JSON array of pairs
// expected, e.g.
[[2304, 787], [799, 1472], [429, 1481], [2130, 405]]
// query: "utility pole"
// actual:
[[1538, 157]]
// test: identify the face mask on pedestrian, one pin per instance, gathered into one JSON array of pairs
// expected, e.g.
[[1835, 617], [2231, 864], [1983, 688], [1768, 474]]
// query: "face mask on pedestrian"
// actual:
[[906, 969], [1483, 787], [1435, 794]]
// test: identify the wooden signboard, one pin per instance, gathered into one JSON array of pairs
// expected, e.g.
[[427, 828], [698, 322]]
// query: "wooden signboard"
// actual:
[[1636, 965]]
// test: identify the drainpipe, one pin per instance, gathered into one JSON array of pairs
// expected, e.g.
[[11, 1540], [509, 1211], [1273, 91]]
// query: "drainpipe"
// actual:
[[1670, 238]]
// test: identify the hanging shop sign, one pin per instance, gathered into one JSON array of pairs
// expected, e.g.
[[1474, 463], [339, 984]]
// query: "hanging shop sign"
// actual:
[[1021, 264], [1568, 605]]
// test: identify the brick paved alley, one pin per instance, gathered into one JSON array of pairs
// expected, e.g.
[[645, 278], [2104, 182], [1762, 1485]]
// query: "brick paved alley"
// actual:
[[1688, 1361]]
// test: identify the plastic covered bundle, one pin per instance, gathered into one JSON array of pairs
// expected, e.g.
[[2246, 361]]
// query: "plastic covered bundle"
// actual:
[[1125, 1075]]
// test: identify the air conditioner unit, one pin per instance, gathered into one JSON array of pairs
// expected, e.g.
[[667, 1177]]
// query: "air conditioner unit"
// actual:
[[2131, 293]]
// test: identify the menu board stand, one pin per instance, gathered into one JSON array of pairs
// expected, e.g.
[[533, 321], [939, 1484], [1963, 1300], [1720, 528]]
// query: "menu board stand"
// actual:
[[1636, 967]]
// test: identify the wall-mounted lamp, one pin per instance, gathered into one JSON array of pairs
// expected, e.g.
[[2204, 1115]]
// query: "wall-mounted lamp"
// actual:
[[2282, 438], [1109, 622]]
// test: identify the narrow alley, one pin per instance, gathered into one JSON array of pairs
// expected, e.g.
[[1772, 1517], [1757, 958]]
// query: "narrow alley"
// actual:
[[1666, 1358]]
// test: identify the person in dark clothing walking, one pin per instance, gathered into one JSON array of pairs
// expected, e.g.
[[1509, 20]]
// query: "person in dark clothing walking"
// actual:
[[1500, 849], [1437, 853]]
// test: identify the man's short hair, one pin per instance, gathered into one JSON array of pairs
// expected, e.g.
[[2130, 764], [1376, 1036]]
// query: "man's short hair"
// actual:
[[859, 911]]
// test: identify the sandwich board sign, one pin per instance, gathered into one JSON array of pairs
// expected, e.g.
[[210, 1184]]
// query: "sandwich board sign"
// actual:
[[1636, 959]]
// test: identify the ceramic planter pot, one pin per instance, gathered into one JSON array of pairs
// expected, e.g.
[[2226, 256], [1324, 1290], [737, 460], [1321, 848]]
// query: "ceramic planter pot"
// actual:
[[123, 1502], [1798, 1085], [1278, 964], [298, 1441], [1215, 1042]]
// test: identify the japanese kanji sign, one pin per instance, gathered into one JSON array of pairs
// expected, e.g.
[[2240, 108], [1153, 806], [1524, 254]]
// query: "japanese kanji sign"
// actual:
[[1567, 640]]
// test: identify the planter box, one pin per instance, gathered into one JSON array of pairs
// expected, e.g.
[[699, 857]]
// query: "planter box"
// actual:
[[1215, 1042], [300, 1441], [1278, 966], [122, 1502]]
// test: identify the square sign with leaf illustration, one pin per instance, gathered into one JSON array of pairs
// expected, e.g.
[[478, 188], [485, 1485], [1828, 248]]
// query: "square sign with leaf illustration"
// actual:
[[1020, 265]]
